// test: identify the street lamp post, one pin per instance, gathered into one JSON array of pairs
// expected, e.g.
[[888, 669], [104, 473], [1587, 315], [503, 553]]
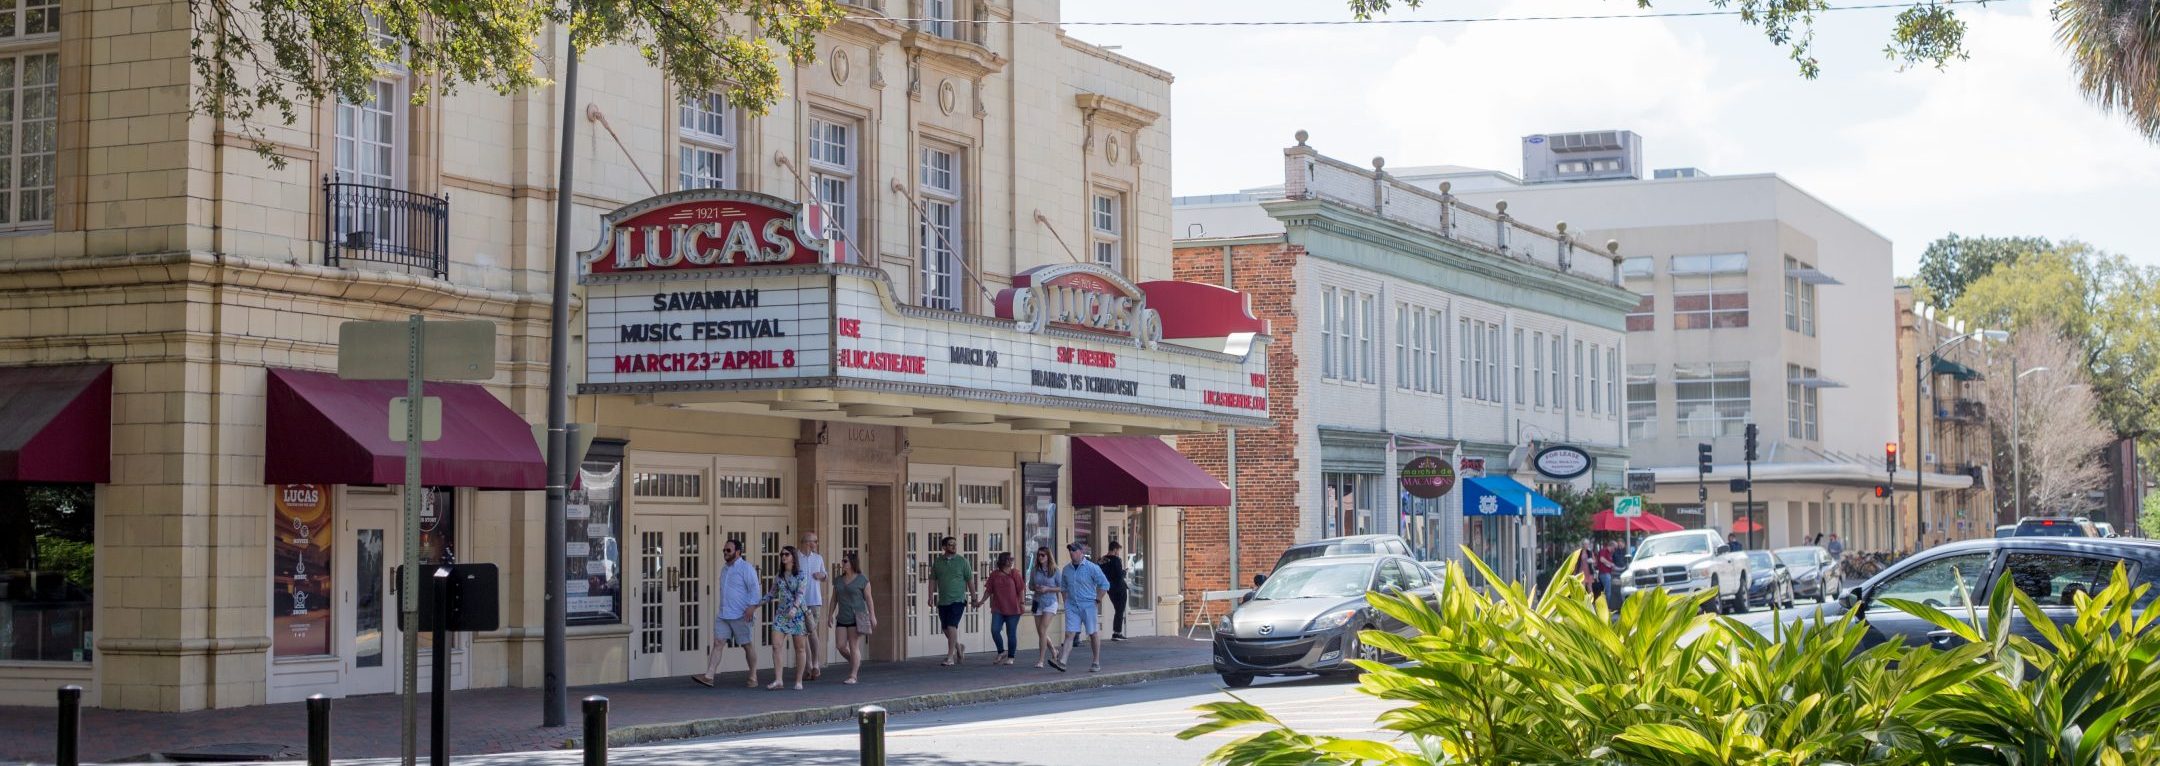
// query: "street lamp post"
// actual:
[[1920, 423], [2017, 462]]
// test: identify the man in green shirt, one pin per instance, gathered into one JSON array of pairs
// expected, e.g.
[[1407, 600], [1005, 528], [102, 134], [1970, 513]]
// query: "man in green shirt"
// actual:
[[954, 583]]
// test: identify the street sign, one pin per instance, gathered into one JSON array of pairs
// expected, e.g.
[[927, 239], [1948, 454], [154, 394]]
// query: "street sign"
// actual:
[[1641, 482], [1627, 506], [459, 350], [1740, 485], [430, 418], [580, 441]]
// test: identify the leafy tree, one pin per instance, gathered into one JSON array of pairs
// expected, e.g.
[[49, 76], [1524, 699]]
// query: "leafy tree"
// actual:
[[2057, 421], [1951, 263], [2149, 516], [2114, 45], [259, 58], [2106, 307]]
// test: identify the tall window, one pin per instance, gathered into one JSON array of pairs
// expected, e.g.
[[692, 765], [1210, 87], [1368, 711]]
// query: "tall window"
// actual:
[[29, 112], [1366, 316], [1435, 358], [48, 568], [1106, 221], [705, 153], [1711, 399], [1641, 402], [1537, 353], [1465, 377], [939, 18], [1347, 335], [1612, 380], [1402, 346], [1417, 349], [832, 174], [1799, 298], [1327, 332], [1492, 363], [1644, 317], [1710, 291], [939, 251], [1521, 394], [1792, 389], [1559, 397], [1578, 367], [1803, 400], [1597, 396]]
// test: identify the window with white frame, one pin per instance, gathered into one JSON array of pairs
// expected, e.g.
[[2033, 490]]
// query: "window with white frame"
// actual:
[[1641, 402], [1328, 318], [1711, 398], [1578, 368], [1435, 345], [1710, 291], [1799, 298], [1521, 394], [1347, 335], [1466, 379], [1811, 403], [832, 174], [1493, 392], [1802, 402], [1106, 223], [940, 258], [1417, 349], [941, 18], [1612, 381], [1537, 371], [1346, 366], [1402, 347], [1559, 363], [1597, 397], [705, 149], [1366, 317], [29, 112], [1792, 384]]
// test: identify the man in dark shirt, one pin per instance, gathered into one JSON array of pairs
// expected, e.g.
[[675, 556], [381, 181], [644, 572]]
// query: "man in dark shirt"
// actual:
[[1113, 568]]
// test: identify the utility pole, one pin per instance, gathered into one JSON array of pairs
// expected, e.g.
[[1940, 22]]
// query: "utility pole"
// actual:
[[555, 614], [1702, 476], [1748, 457], [1890, 492]]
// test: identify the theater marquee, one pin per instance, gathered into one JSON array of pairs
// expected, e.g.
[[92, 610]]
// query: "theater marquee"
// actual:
[[673, 306]]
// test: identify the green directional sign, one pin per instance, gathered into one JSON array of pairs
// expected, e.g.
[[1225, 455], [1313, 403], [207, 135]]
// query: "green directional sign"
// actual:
[[1627, 506]]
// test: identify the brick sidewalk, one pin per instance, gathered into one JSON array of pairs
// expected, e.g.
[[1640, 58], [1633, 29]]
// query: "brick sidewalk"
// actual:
[[505, 720]]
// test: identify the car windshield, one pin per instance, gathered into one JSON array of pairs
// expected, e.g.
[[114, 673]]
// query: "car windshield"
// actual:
[[1317, 551], [1797, 557], [1317, 580], [1666, 546], [1760, 560], [2049, 528]]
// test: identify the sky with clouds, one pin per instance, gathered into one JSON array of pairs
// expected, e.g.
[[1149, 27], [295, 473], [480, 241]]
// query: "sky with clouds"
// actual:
[[2001, 143]]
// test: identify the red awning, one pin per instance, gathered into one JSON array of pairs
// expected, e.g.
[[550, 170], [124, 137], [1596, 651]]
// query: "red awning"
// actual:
[[1605, 521], [1139, 470], [327, 430], [56, 424]]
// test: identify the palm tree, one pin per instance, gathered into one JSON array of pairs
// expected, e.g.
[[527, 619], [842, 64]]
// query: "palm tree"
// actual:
[[2114, 48]]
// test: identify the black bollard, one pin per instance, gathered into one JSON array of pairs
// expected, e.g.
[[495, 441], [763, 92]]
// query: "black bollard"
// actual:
[[596, 731], [873, 734], [318, 730], [65, 751], [439, 696]]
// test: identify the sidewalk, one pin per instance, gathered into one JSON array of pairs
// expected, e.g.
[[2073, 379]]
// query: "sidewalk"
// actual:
[[486, 721]]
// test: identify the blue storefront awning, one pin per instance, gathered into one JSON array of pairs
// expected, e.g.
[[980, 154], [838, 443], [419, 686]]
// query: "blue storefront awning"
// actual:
[[1502, 496]]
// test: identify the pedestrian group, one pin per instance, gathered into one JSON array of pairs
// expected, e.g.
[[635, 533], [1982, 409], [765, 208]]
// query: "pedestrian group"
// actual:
[[1065, 601]]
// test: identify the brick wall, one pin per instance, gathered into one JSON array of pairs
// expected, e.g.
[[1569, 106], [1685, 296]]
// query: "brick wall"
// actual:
[[1268, 466]]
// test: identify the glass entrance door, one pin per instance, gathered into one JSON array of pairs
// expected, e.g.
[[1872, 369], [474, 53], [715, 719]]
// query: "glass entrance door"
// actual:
[[373, 646]]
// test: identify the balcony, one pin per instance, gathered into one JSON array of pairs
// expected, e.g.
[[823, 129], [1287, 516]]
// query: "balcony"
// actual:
[[1979, 474], [378, 224], [1967, 411]]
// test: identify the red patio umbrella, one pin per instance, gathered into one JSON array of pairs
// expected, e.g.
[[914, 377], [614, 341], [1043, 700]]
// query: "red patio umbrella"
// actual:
[[1744, 526], [1605, 521]]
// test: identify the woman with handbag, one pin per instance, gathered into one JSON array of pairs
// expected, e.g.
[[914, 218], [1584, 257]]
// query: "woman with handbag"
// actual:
[[853, 614]]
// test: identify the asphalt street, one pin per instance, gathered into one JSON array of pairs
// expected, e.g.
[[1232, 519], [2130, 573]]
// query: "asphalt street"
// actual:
[[1125, 724]]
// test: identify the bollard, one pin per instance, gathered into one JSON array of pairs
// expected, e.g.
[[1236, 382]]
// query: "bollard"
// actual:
[[873, 734], [596, 731], [318, 730], [65, 752]]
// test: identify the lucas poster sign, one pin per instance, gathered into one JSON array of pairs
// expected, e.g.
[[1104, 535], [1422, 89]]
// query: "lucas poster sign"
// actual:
[[300, 590]]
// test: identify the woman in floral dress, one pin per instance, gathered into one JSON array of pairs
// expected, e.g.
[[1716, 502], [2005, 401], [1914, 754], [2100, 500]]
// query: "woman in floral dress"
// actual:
[[790, 618]]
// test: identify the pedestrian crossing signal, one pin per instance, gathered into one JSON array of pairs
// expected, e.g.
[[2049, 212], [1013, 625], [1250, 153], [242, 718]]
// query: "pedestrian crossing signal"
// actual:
[[1882, 491]]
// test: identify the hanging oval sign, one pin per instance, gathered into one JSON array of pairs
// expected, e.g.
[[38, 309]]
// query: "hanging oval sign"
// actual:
[[1427, 477], [1562, 462]]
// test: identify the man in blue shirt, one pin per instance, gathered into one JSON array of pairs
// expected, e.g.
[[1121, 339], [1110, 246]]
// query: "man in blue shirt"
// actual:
[[735, 623], [1085, 585]]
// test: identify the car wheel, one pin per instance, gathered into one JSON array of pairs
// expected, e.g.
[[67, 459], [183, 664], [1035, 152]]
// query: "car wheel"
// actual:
[[1717, 598], [1739, 602], [1789, 598], [1354, 648], [1236, 680]]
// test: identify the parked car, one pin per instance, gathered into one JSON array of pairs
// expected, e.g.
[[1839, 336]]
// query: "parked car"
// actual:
[[1814, 572], [2052, 570], [1354, 545], [1769, 580], [1689, 561], [2006, 530], [1305, 619], [2056, 526], [1437, 570]]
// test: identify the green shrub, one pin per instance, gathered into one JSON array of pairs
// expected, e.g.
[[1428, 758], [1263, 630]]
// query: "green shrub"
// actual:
[[1504, 677]]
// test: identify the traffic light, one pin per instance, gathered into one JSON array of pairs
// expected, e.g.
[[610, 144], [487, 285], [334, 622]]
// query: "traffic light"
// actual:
[[1882, 491], [1750, 454], [1702, 458], [1889, 457]]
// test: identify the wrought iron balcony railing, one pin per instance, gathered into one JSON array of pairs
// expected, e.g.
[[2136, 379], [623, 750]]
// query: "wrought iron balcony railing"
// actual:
[[377, 224]]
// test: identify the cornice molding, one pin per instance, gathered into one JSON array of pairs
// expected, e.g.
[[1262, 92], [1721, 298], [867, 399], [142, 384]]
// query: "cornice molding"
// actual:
[[1123, 114]]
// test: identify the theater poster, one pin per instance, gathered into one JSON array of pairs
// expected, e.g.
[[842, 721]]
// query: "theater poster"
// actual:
[[301, 594]]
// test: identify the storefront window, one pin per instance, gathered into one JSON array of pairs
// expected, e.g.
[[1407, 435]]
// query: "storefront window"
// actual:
[[1350, 503], [1136, 559], [46, 571], [594, 514]]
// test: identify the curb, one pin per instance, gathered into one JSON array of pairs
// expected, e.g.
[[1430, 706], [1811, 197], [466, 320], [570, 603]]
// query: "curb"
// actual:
[[639, 734]]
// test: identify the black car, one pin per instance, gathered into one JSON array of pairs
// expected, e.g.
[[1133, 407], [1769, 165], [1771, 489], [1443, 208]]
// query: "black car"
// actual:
[[1354, 545], [1305, 619], [1769, 580], [1958, 578], [2056, 526], [1814, 572]]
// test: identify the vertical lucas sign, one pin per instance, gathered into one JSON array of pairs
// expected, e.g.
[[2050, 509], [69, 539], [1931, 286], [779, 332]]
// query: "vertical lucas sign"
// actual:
[[300, 588]]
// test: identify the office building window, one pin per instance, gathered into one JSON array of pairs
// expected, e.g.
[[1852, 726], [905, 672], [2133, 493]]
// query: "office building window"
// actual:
[[1347, 335], [1644, 317], [1597, 396], [1465, 377], [1492, 363], [1559, 363], [1710, 291], [1402, 347], [705, 152], [832, 174], [1537, 371], [1417, 349], [1106, 222], [1521, 395], [1638, 267], [1641, 402], [1792, 400], [940, 17], [1435, 359], [1366, 317], [1711, 399], [1612, 381], [1327, 332], [1578, 367], [941, 258]]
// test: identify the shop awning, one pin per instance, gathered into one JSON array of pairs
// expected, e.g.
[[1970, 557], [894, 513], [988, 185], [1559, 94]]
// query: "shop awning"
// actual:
[[56, 424], [1139, 470], [1953, 369], [327, 430], [1502, 496]]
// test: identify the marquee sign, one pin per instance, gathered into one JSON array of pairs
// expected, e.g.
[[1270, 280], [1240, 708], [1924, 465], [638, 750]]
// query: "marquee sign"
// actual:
[[704, 229], [1075, 336]]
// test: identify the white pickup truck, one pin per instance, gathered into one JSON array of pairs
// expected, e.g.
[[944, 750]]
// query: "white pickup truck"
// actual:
[[1688, 562]]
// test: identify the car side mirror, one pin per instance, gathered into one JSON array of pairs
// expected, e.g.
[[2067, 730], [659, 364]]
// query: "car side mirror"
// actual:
[[1851, 600]]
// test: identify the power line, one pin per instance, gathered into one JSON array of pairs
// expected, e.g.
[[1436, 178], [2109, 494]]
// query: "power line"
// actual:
[[1400, 21]]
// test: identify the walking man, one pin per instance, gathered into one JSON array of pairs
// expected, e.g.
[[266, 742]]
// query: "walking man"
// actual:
[[954, 580], [813, 567], [1836, 548], [1085, 587], [735, 623], [1113, 568]]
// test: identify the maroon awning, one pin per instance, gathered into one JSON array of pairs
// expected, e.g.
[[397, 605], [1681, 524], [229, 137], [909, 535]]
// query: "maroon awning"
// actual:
[[1139, 470], [327, 430], [56, 424]]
